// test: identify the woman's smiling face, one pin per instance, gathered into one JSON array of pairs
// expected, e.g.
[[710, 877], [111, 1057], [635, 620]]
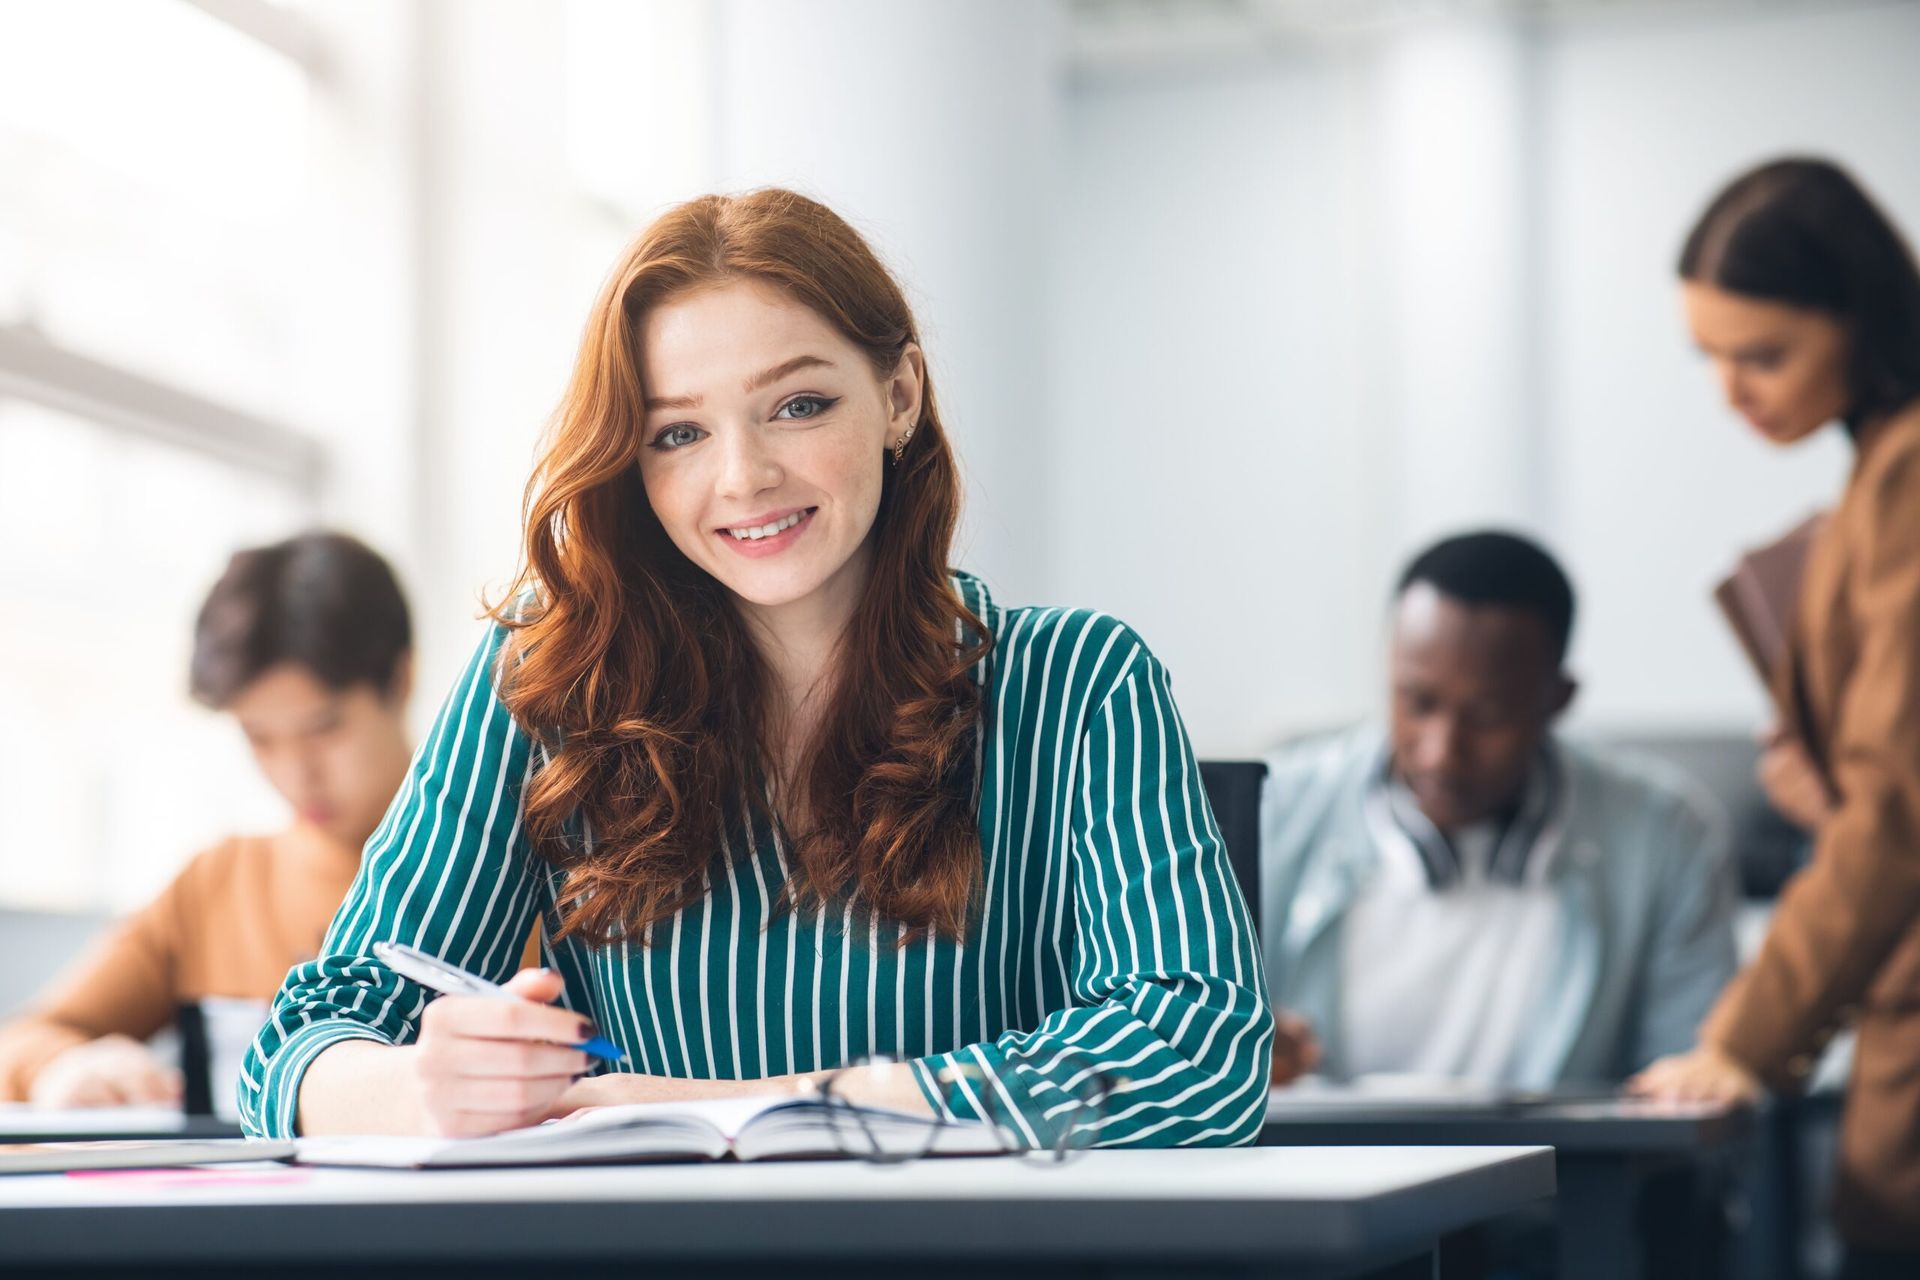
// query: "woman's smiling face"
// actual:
[[765, 440]]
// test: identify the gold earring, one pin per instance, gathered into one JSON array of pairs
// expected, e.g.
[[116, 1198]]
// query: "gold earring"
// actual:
[[900, 445]]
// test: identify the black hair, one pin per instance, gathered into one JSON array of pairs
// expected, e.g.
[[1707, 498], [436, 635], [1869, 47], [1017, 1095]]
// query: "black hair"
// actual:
[[1494, 568], [1802, 232], [325, 601]]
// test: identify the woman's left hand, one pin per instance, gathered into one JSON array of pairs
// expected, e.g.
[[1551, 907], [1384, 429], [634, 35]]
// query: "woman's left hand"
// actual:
[[1704, 1074], [617, 1088], [891, 1085]]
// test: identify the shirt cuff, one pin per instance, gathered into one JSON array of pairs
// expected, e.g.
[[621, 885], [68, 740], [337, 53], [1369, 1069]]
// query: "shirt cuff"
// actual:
[[276, 1113], [978, 1083]]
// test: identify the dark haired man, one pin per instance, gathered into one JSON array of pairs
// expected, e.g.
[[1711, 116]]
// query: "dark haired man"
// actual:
[[307, 645], [1464, 895]]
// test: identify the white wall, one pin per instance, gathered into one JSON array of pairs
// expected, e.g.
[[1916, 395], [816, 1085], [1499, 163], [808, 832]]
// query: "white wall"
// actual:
[[358, 324], [1284, 362], [1214, 417], [510, 256], [1217, 352], [1447, 132], [931, 128], [1655, 486], [933, 136]]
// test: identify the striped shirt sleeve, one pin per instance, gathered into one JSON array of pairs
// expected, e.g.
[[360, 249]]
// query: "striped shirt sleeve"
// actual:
[[1170, 1019], [448, 870]]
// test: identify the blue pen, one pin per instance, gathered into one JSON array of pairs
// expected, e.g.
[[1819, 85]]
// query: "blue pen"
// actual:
[[449, 979]]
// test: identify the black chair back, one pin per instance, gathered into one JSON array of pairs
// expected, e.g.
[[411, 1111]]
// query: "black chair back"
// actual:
[[196, 1068], [1233, 791], [1768, 849]]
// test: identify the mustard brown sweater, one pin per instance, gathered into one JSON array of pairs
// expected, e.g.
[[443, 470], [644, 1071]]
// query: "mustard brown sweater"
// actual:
[[231, 924]]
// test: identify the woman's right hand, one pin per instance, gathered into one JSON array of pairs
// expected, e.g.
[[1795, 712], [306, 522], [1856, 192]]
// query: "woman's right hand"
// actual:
[[1793, 783], [112, 1071], [1296, 1050], [482, 1065], [1702, 1074]]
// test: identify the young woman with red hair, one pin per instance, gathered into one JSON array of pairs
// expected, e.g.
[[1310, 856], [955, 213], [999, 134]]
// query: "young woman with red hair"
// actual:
[[783, 788]]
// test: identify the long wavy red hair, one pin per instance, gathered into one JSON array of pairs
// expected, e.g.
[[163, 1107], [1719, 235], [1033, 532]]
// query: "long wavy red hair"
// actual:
[[634, 673]]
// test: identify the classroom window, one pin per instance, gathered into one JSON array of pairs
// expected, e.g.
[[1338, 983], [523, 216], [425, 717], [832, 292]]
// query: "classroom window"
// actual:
[[146, 361], [150, 237], [109, 774]]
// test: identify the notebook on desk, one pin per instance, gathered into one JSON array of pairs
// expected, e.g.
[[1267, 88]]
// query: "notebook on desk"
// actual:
[[1397, 1097], [1388, 1095], [756, 1128], [71, 1157], [22, 1122], [1759, 597]]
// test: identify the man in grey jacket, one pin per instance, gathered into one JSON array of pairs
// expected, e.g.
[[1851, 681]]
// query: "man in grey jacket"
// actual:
[[1465, 895]]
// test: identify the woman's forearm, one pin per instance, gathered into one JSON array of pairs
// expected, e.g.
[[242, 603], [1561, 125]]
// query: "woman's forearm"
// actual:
[[358, 1086], [361, 1087], [889, 1085]]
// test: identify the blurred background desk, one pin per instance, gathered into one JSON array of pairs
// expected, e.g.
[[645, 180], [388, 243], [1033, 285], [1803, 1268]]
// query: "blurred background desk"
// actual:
[[21, 1123], [1612, 1156]]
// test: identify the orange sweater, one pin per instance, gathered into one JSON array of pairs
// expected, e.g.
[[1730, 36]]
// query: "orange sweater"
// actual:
[[231, 924]]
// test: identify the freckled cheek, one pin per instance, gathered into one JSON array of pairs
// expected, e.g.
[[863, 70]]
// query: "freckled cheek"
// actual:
[[845, 467], [675, 493]]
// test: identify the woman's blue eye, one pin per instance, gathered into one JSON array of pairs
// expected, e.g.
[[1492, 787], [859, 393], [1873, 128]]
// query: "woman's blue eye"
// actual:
[[677, 436], [802, 407]]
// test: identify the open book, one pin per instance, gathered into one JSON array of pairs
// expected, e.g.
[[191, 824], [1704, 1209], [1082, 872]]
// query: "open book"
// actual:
[[1760, 595], [750, 1128]]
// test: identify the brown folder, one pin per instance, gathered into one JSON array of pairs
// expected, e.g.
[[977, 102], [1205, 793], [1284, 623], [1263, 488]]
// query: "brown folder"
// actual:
[[1760, 595]]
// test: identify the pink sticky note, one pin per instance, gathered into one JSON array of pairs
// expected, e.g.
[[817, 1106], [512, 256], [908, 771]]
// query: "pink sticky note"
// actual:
[[199, 1177]]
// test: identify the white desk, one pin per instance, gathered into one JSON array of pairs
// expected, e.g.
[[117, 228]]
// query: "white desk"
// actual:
[[1296, 1211]]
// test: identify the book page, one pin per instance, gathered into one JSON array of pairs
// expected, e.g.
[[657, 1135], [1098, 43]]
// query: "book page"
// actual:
[[750, 1127], [804, 1127], [727, 1116], [702, 1129]]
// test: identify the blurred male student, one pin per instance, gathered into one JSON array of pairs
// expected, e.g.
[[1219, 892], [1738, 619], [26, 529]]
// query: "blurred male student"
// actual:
[[308, 646], [1463, 894]]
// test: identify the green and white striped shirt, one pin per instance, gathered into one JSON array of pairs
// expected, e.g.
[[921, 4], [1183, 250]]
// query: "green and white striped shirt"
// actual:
[[1109, 936]]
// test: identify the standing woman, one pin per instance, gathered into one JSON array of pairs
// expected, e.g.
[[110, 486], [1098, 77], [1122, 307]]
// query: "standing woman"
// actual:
[[1808, 302], [783, 789]]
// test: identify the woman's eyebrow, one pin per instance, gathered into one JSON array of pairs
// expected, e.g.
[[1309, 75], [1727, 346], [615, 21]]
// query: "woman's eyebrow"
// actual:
[[754, 383], [784, 368]]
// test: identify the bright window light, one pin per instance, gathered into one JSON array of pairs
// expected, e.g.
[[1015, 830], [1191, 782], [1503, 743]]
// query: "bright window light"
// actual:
[[109, 774], [151, 164], [640, 127]]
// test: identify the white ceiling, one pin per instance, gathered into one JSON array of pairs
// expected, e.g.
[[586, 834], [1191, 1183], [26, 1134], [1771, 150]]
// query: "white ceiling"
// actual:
[[1108, 36]]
